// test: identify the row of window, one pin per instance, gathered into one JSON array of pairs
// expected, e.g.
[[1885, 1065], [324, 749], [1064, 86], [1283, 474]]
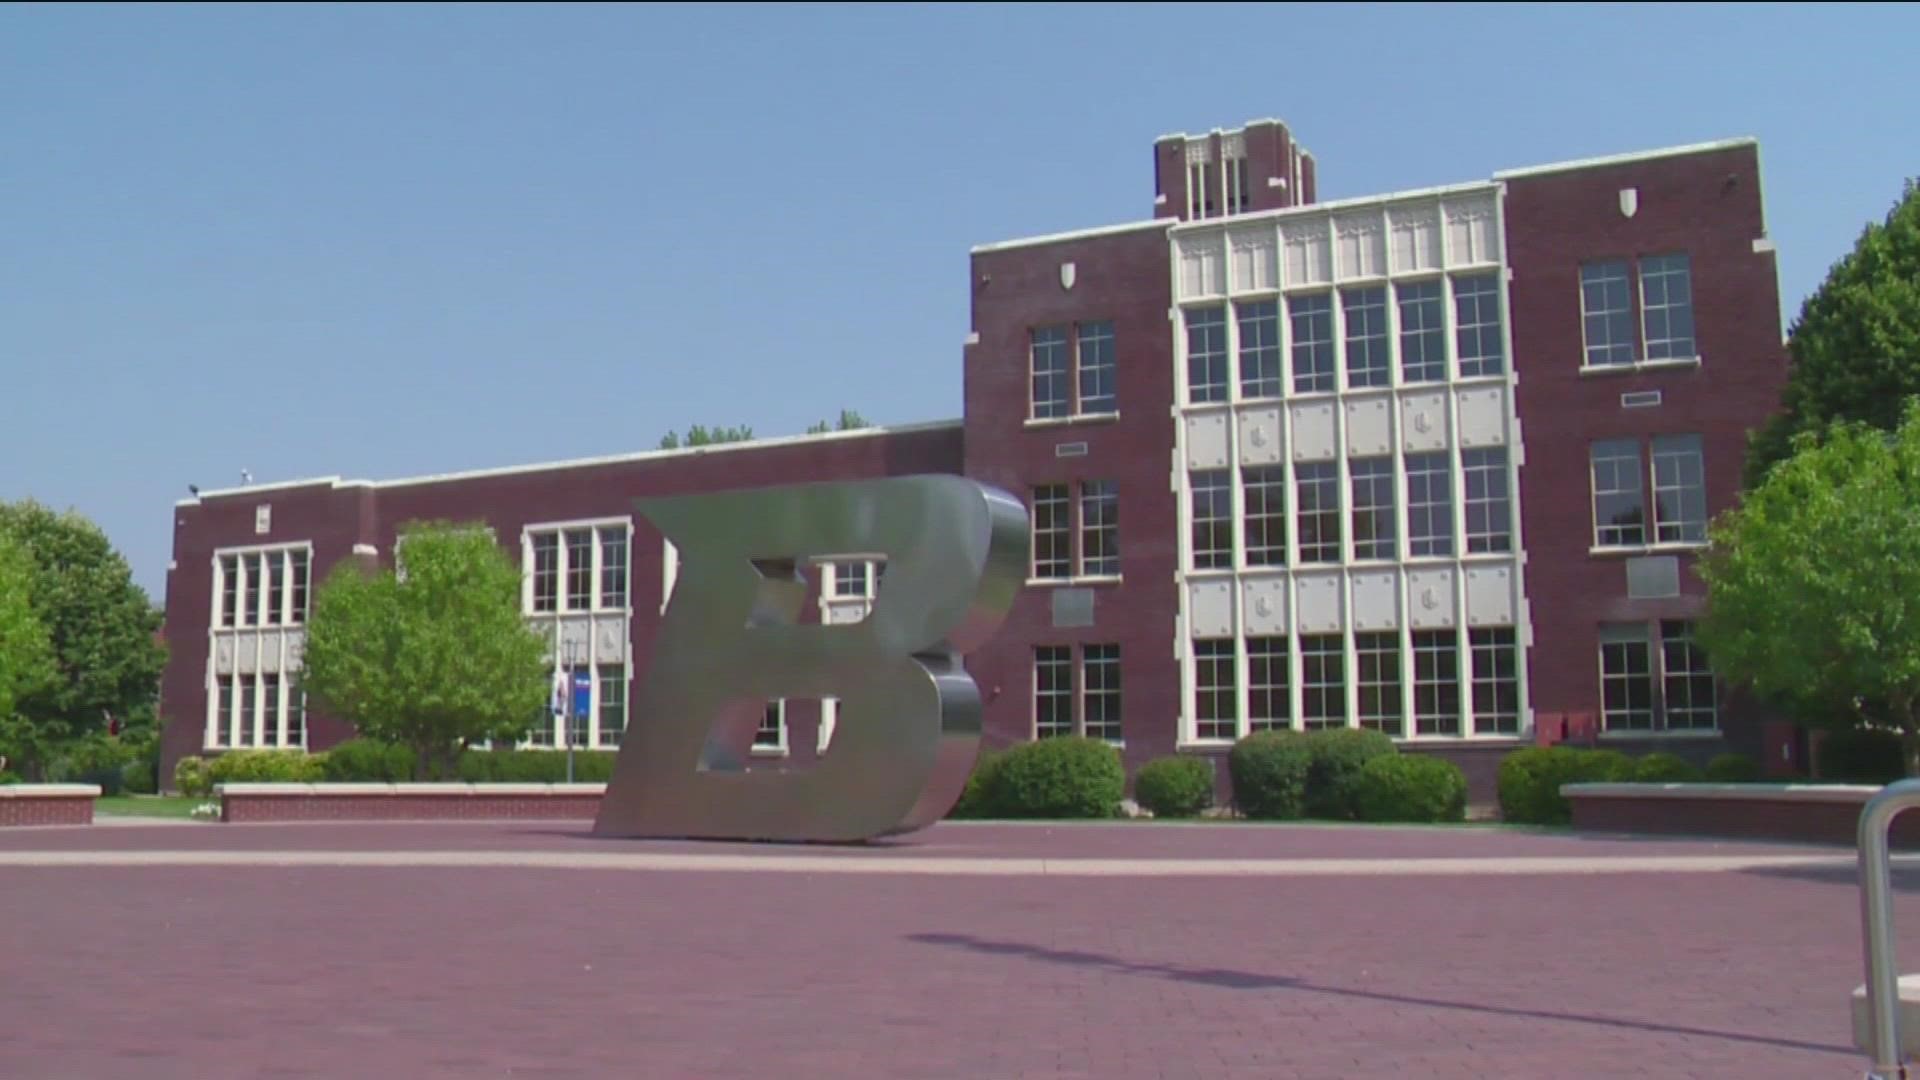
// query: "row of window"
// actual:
[[1318, 535], [1620, 478], [1358, 339], [1073, 370], [262, 709], [1664, 329], [1653, 677], [591, 560], [263, 588], [1058, 516], [1076, 694]]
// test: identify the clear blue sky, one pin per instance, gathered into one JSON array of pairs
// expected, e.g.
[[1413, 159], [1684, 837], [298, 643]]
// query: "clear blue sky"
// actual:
[[380, 242]]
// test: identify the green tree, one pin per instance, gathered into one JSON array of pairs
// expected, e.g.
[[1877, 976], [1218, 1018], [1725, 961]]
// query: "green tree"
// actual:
[[102, 629], [1856, 344], [849, 421], [702, 435], [1814, 583], [26, 657], [435, 658]]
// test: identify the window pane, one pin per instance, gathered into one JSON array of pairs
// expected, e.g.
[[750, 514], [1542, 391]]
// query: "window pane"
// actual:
[[1687, 681], [613, 703], [298, 603], [1607, 313], [1476, 320], [270, 709], [1102, 678], [1100, 528], [1429, 505], [613, 566], [1489, 510], [546, 571], [1626, 678], [1368, 360], [1097, 368], [1207, 354], [579, 569], [771, 734], [1216, 715], [851, 579], [1323, 681], [1263, 496], [1052, 691], [1268, 703], [1377, 656], [1373, 528], [276, 589], [229, 589], [1212, 519], [1423, 334], [1052, 532], [1048, 346], [252, 569], [1259, 348], [249, 695], [1666, 302], [1311, 319], [1436, 682], [223, 720], [1318, 497], [1619, 511], [1679, 490], [1496, 681], [296, 718]]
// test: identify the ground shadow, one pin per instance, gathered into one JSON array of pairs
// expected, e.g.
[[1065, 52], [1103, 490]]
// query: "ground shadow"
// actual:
[[1904, 878], [1246, 980]]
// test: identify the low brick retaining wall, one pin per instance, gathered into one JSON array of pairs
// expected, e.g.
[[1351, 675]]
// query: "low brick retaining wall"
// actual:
[[1802, 813], [47, 804], [406, 802]]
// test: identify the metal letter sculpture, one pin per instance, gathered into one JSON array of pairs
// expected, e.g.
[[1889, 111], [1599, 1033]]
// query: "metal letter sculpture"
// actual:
[[909, 715]]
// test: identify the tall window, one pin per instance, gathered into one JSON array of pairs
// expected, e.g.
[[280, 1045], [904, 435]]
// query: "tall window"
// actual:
[[567, 555], [1476, 325], [249, 698], [1216, 715], [613, 567], [1212, 519], [297, 571], [223, 722], [852, 580], [229, 589], [1239, 195], [274, 613], [546, 571], [1206, 354], [1264, 499], [1496, 681], [1606, 309], [1269, 705], [1626, 678], [1052, 691], [1666, 305], [1423, 334], [270, 709], [579, 569], [1259, 348], [1101, 677], [1368, 357], [1436, 683], [613, 703], [1687, 691], [1619, 507], [1048, 345], [296, 717], [1318, 497], [1373, 530], [579, 722], [1097, 368], [1052, 532], [1311, 319], [1679, 490], [1429, 505], [1377, 655], [250, 614], [1323, 682], [772, 732], [1099, 528], [1489, 511]]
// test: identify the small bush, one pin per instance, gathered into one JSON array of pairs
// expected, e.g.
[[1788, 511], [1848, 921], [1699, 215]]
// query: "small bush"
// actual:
[[1269, 773], [96, 759], [267, 767], [1601, 767], [1530, 780], [1069, 777], [137, 778], [9, 777], [1336, 757], [535, 766], [1174, 786], [190, 777], [1665, 769], [1861, 756], [1410, 787], [365, 761], [981, 798], [1733, 769]]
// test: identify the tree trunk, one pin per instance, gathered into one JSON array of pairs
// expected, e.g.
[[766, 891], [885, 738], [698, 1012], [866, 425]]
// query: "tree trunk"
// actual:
[[1910, 749]]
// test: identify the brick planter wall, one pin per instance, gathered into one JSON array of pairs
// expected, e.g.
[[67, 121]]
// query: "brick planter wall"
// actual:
[[407, 802], [1819, 814], [47, 804]]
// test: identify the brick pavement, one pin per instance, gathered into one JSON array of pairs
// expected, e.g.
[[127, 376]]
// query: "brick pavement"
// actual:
[[314, 971]]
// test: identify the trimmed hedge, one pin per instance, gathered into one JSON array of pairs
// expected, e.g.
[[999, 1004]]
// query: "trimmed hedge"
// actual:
[[190, 777], [1861, 756], [1269, 773], [1662, 768], [1410, 787], [980, 798], [1067, 777], [536, 766], [1335, 758], [267, 767], [1733, 769], [365, 761], [1530, 780], [1174, 787]]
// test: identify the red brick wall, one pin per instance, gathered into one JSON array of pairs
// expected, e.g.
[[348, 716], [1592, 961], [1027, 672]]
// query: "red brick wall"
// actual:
[[49, 810], [1707, 205], [1122, 277], [1746, 819]]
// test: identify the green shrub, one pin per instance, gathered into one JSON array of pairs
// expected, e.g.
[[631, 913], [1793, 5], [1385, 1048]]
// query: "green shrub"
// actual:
[[8, 776], [190, 777], [1269, 774], [1335, 758], [1174, 787], [535, 766], [267, 767], [1068, 777], [1601, 767], [1410, 787], [1530, 780], [137, 778], [1861, 756], [1660, 768], [96, 759], [981, 798], [1733, 769], [365, 761]]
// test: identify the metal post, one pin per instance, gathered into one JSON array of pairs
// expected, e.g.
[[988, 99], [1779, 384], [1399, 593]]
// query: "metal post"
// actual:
[[1876, 917], [566, 722]]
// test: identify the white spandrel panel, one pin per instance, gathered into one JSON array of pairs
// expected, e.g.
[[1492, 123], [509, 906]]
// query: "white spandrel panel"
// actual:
[[293, 650], [1313, 434], [1260, 436], [1202, 266], [1360, 245], [1430, 598], [1207, 441], [246, 653], [1309, 256], [1255, 260], [1376, 600], [1416, 238], [1264, 605], [1369, 427], [1490, 595], [223, 654], [1483, 416], [1423, 422], [610, 641], [1210, 608], [1319, 602], [1472, 239]]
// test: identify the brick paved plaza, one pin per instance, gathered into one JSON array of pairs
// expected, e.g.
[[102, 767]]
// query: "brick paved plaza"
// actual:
[[1101, 951]]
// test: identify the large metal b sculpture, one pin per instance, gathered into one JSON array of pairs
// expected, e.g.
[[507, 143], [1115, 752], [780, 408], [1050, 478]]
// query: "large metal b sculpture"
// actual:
[[908, 727]]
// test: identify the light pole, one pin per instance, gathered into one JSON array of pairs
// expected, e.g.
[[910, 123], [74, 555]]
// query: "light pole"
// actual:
[[573, 705]]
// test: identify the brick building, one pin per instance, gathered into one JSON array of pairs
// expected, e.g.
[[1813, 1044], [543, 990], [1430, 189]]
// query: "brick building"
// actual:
[[1436, 462]]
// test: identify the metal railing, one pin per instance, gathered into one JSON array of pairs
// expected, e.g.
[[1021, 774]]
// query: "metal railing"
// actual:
[[1876, 918]]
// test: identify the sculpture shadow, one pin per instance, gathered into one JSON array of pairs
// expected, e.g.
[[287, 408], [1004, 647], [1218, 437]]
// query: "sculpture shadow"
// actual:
[[1230, 979]]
